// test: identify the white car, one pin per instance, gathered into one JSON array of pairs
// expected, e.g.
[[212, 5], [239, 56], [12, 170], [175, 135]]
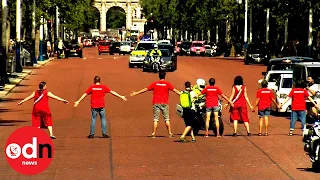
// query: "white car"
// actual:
[[125, 47], [283, 87], [272, 76]]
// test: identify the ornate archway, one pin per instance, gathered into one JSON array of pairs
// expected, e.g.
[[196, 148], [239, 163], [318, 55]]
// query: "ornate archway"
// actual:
[[132, 9]]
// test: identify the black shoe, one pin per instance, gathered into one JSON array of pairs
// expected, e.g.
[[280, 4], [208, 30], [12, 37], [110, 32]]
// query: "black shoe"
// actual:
[[249, 134], [91, 136], [234, 134], [105, 136], [53, 137]]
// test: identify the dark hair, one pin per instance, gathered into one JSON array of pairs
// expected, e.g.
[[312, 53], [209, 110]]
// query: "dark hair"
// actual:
[[212, 81], [42, 84], [238, 81], [264, 84], [300, 83], [162, 75], [96, 79], [187, 84]]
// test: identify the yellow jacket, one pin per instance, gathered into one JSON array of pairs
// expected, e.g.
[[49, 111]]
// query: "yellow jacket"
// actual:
[[155, 51]]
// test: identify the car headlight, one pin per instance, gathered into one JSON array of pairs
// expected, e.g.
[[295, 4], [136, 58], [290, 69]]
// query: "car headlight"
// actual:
[[266, 56], [283, 96], [250, 55]]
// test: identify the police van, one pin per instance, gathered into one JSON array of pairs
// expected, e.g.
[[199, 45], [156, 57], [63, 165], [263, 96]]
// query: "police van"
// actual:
[[307, 69]]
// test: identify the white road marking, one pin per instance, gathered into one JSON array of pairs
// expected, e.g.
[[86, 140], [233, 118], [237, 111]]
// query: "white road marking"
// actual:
[[99, 58]]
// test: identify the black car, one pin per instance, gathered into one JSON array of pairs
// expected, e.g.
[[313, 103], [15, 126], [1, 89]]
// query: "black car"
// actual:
[[115, 48], [185, 48], [257, 53], [170, 48], [168, 59], [73, 50]]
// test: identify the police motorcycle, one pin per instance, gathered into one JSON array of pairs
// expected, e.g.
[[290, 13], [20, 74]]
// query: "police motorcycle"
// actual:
[[200, 117], [311, 139], [155, 62]]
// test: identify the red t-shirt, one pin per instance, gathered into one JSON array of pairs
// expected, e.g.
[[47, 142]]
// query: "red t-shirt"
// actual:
[[266, 96], [160, 91], [298, 96], [97, 95], [212, 99]]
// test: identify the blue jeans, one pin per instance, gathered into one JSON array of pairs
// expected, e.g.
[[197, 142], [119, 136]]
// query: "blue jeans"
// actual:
[[295, 115], [94, 114]]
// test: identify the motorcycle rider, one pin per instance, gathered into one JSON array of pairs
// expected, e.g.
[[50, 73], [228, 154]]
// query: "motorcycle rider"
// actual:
[[155, 51], [312, 89], [200, 85]]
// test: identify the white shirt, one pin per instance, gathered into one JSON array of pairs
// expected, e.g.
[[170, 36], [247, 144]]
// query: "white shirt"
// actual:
[[314, 87], [193, 96]]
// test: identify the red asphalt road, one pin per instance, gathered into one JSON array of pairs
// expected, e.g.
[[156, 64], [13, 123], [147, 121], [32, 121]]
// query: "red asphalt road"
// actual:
[[129, 154]]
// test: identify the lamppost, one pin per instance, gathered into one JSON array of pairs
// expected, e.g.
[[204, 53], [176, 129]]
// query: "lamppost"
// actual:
[[238, 23], [18, 36], [245, 24], [33, 53]]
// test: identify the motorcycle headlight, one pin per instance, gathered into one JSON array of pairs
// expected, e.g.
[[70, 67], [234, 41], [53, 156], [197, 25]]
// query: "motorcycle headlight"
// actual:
[[266, 56], [283, 96], [250, 55]]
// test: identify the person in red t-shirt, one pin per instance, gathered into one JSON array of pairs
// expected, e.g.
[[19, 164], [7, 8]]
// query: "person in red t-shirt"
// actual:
[[264, 99], [212, 93], [298, 106], [160, 101], [97, 92], [41, 114]]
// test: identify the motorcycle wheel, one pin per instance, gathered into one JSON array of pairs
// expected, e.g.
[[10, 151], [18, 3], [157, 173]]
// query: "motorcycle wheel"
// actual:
[[221, 128], [316, 166]]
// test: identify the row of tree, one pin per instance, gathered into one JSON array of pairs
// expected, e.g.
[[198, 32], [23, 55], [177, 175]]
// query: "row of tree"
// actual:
[[195, 15], [78, 15]]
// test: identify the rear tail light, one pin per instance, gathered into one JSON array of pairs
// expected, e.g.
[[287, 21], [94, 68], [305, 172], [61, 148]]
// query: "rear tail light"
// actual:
[[67, 49], [79, 49]]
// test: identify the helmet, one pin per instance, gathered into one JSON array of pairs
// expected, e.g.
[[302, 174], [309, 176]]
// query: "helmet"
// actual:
[[155, 46], [201, 83]]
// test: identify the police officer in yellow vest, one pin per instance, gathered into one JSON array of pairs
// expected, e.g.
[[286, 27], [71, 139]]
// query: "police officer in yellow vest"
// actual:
[[201, 84], [155, 51]]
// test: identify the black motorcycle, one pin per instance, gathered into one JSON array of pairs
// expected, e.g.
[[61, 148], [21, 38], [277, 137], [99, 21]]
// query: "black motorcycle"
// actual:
[[200, 119], [311, 139], [156, 63]]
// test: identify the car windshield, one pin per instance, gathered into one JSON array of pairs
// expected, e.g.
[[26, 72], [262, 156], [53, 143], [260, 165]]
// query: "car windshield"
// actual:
[[208, 47], [144, 46], [315, 73], [116, 44], [197, 44], [135, 31], [273, 77], [165, 53], [164, 46], [125, 44], [104, 43], [257, 48], [287, 83], [186, 45], [281, 67], [75, 45]]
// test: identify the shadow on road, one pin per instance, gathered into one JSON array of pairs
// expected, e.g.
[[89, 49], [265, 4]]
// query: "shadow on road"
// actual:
[[10, 122], [308, 170], [9, 100]]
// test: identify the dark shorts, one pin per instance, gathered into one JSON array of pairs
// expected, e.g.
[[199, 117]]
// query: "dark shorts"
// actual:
[[265, 112], [189, 116], [309, 105]]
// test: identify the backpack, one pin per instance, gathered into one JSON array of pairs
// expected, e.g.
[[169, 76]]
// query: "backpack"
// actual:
[[185, 99]]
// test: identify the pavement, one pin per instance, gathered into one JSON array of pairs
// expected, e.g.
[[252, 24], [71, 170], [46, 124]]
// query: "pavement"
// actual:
[[128, 154], [16, 78]]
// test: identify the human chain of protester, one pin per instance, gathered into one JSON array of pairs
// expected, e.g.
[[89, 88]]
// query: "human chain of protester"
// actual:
[[238, 101]]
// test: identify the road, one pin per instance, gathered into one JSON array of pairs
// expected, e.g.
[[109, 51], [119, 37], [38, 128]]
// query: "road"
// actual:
[[129, 154]]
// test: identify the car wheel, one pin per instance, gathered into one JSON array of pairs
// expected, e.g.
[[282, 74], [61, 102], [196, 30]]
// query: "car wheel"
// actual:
[[246, 62], [81, 56], [99, 53], [131, 65], [111, 53]]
